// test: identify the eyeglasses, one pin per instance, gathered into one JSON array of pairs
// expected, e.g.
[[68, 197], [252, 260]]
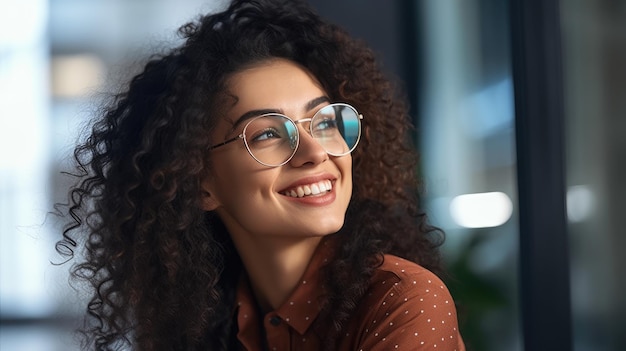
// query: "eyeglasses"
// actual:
[[272, 139]]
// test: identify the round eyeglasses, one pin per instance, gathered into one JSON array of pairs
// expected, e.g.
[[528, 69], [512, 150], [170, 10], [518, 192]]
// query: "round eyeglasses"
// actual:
[[272, 139]]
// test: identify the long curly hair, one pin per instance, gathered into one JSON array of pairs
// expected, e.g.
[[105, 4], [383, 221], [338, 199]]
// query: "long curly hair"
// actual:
[[162, 271]]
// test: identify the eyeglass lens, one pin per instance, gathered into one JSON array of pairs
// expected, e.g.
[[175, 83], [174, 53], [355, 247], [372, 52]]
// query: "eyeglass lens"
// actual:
[[272, 139]]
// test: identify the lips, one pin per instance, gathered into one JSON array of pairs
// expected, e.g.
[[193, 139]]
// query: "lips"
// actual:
[[312, 189]]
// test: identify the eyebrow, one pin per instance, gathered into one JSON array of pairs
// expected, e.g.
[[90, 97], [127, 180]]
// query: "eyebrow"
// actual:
[[254, 113]]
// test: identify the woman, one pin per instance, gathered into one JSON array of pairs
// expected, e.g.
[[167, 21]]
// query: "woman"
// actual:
[[226, 204]]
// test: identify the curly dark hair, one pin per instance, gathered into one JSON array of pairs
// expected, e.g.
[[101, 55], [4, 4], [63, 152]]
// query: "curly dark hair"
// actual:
[[162, 270]]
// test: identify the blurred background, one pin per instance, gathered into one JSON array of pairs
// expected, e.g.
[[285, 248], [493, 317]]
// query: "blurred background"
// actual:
[[454, 59]]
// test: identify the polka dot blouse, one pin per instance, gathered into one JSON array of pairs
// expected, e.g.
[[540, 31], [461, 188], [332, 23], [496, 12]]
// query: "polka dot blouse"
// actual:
[[406, 308]]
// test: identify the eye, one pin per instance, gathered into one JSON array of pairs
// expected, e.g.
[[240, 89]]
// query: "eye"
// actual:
[[325, 124], [266, 134]]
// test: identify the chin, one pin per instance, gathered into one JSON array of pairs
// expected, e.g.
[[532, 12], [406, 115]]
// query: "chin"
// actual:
[[327, 228]]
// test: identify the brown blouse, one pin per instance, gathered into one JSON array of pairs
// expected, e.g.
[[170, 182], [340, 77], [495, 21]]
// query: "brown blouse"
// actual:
[[406, 308]]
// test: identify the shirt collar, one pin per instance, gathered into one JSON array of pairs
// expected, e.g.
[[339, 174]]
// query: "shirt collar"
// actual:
[[300, 309]]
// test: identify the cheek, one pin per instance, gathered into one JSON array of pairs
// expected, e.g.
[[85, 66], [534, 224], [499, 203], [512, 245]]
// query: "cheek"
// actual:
[[345, 167], [241, 182], [344, 164]]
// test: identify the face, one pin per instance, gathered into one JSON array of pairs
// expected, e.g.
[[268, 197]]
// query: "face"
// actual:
[[256, 200]]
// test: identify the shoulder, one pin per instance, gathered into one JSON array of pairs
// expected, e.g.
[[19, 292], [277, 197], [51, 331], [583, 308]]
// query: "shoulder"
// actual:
[[399, 283], [405, 275], [408, 305]]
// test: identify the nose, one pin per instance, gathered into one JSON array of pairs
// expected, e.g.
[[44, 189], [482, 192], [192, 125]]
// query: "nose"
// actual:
[[309, 151]]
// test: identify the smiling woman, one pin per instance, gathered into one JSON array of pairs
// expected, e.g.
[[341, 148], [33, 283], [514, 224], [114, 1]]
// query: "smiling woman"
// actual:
[[254, 189]]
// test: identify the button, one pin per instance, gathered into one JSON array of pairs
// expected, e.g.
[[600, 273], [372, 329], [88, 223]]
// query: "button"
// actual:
[[275, 321]]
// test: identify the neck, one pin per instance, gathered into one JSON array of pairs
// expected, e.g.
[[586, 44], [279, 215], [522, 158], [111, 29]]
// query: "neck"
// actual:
[[275, 266]]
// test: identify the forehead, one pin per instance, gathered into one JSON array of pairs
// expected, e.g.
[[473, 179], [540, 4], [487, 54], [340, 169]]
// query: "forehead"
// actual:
[[275, 84]]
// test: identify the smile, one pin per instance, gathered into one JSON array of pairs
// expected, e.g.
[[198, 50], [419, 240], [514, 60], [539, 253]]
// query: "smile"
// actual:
[[310, 189]]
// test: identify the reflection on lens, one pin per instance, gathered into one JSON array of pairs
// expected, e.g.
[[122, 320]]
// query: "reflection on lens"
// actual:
[[342, 128], [292, 131]]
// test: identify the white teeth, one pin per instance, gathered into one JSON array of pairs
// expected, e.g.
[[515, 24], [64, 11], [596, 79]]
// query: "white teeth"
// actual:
[[315, 189], [310, 189]]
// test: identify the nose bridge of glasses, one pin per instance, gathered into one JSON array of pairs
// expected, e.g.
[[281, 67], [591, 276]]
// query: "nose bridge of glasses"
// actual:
[[308, 132], [303, 120]]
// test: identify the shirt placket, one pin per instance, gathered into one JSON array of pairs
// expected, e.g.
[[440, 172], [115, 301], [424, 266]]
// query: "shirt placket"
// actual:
[[278, 333]]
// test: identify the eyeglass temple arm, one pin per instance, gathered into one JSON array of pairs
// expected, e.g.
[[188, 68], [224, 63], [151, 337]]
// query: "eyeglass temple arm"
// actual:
[[226, 142]]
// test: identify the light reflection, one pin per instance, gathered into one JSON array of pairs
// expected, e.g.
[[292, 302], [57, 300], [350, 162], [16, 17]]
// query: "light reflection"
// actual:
[[24, 161], [481, 210], [76, 75], [580, 203]]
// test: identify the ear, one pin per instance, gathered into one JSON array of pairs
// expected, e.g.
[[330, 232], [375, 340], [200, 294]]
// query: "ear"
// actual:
[[209, 202]]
